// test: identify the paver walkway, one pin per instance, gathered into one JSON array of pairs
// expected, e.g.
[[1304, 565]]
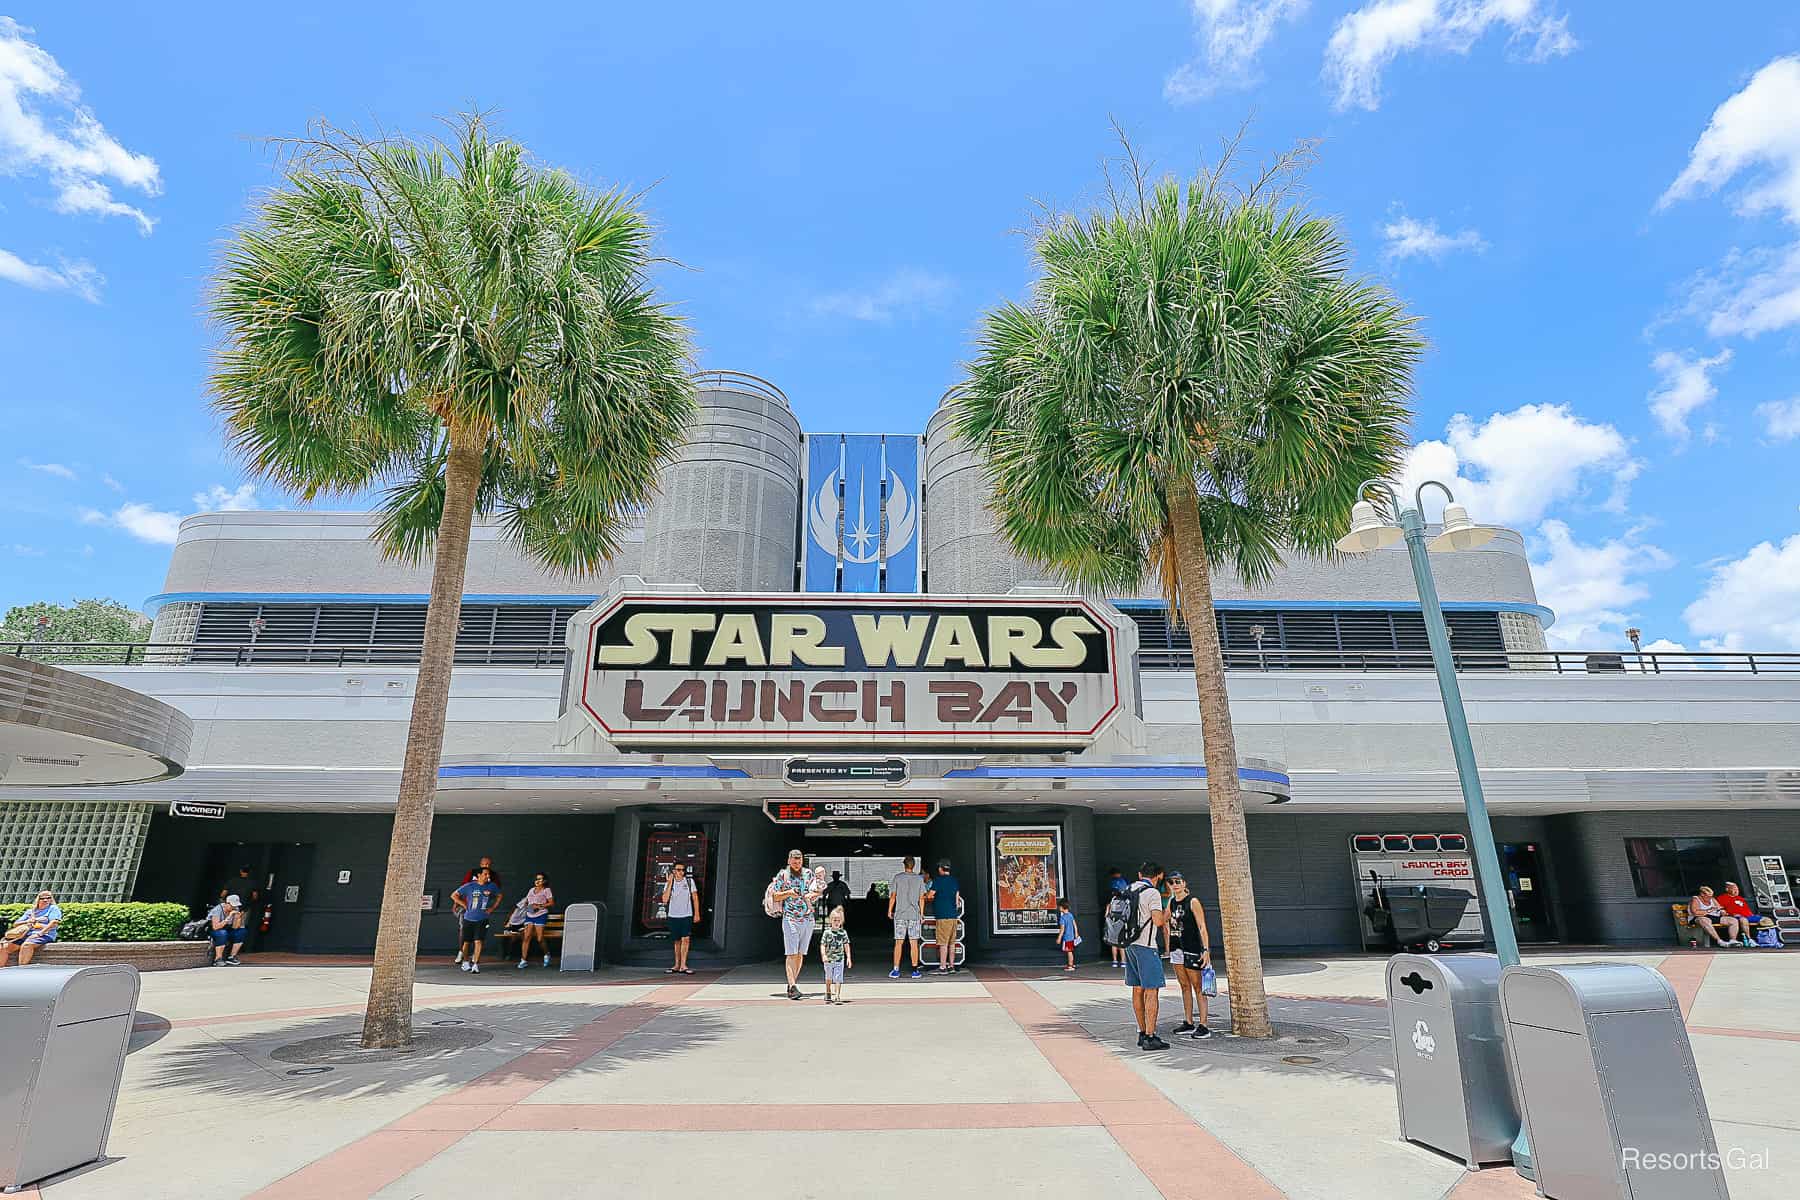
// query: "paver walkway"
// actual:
[[992, 1081]]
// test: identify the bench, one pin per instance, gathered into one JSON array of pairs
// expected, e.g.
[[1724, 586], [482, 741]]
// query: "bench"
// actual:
[[553, 932], [1688, 931]]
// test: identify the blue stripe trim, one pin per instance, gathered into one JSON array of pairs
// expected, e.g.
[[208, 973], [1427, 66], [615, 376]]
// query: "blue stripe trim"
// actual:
[[157, 601], [623, 771], [1544, 615], [1173, 771]]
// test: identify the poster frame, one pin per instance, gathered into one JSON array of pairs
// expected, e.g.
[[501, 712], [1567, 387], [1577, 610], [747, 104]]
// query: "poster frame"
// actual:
[[995, 832]]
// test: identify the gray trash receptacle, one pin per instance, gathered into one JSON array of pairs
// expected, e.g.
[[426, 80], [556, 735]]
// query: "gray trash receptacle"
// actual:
[[1604, 1072], [65, 1030], [1449, 1059], [581, 937]]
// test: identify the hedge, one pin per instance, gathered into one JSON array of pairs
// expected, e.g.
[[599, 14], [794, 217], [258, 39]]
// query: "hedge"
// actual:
[[132, 922]]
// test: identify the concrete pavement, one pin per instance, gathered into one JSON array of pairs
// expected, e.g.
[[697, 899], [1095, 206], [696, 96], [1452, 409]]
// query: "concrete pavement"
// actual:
[[1020, 1082]]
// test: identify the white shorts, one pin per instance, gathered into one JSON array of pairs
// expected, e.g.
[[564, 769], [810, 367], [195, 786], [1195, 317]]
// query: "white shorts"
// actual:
[[909, 927], [796, 935]]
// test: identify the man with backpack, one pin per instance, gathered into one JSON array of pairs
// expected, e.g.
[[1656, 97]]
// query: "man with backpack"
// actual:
[[1138, 930]]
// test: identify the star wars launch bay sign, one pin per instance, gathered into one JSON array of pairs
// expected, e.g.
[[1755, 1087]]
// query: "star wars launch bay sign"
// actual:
[[983, 673]]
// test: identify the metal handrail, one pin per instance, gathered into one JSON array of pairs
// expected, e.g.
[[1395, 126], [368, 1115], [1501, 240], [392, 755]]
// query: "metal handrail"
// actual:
[[740, 381], [270, 652]]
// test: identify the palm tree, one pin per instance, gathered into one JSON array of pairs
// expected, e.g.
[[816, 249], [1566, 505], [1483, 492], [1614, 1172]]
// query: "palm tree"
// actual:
[[1196, 382], [473, 335]]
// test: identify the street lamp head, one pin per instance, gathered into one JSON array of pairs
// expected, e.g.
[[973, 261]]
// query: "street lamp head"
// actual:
[[1459, 532], [1367, 530]]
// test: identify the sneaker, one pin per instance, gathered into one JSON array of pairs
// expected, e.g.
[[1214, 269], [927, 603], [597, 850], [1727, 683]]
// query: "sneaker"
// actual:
[[793, 992], [546, 960], [232, 961], [522, 964], [894, 974], [474, 968], [465, 965], [917, 974], [1140, 1039], [1184, 1027], [1154, 1043], [1200, 1034], [1068, 968], [459, 956]]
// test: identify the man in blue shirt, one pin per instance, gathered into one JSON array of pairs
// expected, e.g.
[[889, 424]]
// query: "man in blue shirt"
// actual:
[[474, 904], [943, 894]]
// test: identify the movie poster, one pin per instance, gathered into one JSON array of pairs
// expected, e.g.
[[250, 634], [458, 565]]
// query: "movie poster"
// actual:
[[1027, 877]]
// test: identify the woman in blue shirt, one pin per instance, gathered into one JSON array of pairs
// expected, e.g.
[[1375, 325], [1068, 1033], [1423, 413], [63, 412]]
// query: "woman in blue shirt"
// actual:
[[34, 927]]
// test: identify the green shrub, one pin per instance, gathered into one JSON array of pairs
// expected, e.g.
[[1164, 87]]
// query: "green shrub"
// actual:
[[132, 922]]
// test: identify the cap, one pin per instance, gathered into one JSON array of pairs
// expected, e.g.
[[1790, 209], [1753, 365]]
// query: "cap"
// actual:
[[1175, 877], [234, 902]]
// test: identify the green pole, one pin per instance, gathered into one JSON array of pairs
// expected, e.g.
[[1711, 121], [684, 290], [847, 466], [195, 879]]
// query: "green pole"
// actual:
[[1495, 910]]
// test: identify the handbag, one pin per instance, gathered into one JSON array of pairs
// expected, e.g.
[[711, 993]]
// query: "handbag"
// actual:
[[1209, 981]]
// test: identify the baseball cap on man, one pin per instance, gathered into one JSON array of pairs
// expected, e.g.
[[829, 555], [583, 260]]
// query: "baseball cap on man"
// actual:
[[234, 902]]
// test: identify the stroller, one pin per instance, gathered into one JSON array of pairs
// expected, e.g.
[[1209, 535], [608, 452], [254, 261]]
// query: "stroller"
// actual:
[[1417, 917]]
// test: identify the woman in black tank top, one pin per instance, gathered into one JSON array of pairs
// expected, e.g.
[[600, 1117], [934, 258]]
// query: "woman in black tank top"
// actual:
[[1190, 952]]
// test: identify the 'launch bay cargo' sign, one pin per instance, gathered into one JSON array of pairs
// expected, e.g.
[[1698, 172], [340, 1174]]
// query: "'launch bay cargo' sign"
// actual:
[[918, 671]]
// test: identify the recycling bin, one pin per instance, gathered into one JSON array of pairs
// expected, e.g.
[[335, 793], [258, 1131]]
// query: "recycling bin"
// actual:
[[581, 937], [65, 1030], [1603, 1070], [1449, 1058]]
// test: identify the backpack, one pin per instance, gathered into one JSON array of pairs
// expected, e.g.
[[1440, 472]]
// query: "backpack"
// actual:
[[1123, 925], [194, 931], [771, 906]]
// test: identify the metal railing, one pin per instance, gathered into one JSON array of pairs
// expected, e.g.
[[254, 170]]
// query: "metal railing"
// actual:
[[1559, 662]]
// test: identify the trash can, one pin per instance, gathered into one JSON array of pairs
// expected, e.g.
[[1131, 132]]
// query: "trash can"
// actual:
[[581, 937], [1449, 1060], [1422, 914], [65, 1030], [1605, 1075]]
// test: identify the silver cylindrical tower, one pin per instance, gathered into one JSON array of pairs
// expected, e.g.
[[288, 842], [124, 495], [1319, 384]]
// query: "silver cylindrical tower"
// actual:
[[964, 552], [727, 511]]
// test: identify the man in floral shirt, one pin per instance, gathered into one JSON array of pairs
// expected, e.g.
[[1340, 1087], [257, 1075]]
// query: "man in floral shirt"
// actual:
[[794, 889]]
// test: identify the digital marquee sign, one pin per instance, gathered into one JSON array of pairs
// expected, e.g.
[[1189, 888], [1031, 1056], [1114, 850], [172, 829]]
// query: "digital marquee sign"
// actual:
[[884, 812]]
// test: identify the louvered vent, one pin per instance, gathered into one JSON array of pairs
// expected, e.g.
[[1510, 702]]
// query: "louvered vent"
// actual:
[[500, 634], [1311, 638]]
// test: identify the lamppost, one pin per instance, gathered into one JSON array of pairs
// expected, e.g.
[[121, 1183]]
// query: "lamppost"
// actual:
[[1257, 631], [1635, 635], [1370, 530]]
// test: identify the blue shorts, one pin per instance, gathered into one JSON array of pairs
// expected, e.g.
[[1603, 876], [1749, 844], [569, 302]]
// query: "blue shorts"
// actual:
[[539, 920], [1143, 967], [228, 937], [680, 927], [834, 972]]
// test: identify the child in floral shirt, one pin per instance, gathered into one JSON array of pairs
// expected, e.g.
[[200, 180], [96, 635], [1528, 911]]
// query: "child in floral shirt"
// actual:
[[834, 952]]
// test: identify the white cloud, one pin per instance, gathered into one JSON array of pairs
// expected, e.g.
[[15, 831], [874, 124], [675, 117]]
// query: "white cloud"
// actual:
[[1231, 34], [218, 499], [1754, 128], [1590, 588], [1752, 292], [1408, 237], [78, 277], [45, 129], [56, 469], [1368, 39], [25, 551], [1781, 419], [906, 292], [1751, 602], [1686, 385], [1663, 644], [148, 524], [1512, 467], [112, 483]]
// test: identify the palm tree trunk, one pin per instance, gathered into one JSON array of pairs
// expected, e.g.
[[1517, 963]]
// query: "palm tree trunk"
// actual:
[[388, 1020], [1231, 844]]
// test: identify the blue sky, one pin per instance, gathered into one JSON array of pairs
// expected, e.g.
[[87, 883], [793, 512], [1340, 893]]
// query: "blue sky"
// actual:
[[1596, 212]]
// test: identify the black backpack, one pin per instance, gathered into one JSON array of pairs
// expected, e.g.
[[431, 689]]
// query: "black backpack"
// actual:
[[1123, 925]]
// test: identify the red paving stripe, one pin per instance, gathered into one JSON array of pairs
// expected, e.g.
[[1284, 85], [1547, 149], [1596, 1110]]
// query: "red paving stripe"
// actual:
[[1686, 973], [1190, 1164], [1495, 1183], [803, 1118], [1766, 1034], [775, 998], [361, 1168]]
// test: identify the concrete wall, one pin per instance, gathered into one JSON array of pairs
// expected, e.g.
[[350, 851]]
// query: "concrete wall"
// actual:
[[574, 850], [1603, 905], [727, 512]]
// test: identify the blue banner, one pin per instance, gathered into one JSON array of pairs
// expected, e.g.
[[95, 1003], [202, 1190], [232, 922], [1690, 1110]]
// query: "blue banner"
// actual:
[[863, 493], [821, 523], [901, 505]]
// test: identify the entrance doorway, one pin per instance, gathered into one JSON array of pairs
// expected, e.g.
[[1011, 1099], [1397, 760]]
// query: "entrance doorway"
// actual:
[[1522, 869], [864, 860], [279, 874]]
